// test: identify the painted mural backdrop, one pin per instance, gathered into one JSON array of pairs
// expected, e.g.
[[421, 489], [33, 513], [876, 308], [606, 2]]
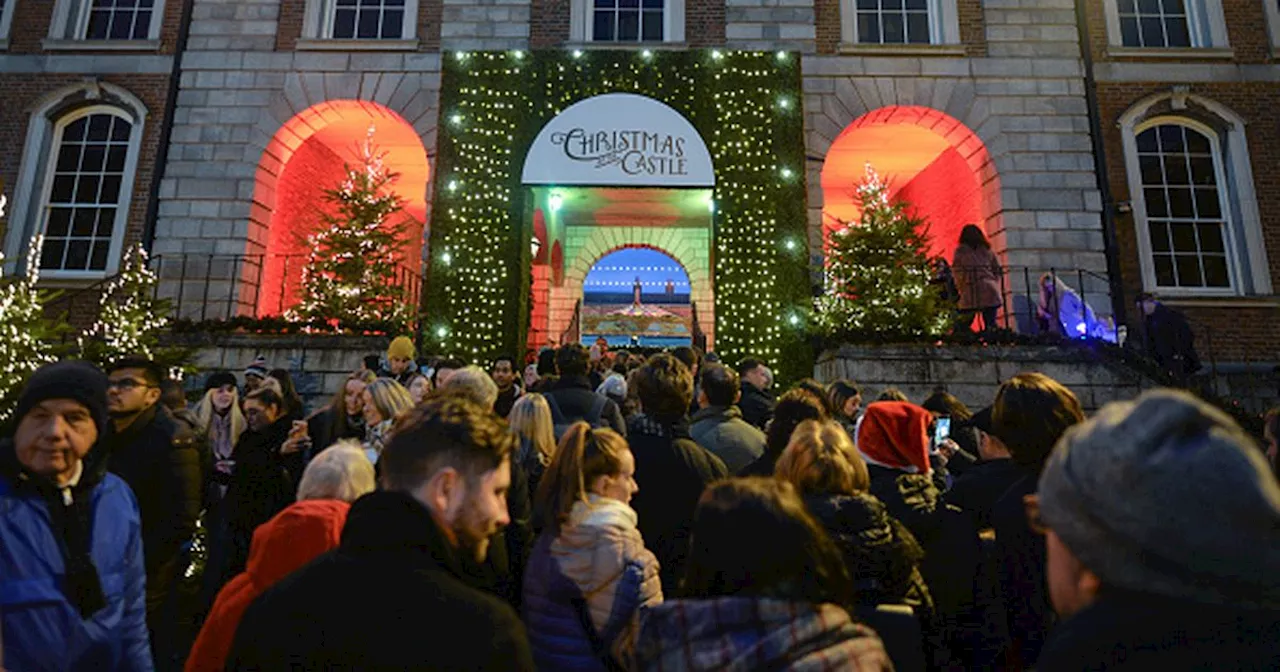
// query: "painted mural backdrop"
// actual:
[[637, 296]]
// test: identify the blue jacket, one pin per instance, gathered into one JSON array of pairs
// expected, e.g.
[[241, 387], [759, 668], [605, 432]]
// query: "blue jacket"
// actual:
[[42, 630]]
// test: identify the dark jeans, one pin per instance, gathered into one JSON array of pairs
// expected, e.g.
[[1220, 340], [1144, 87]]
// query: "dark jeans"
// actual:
[[965, 317]]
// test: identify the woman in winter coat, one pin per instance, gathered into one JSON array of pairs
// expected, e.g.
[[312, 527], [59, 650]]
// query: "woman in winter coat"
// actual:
[[978, 275], [219, 413], [589, 574], [384, 399], [763, 590], [531, 421], [305, 529]]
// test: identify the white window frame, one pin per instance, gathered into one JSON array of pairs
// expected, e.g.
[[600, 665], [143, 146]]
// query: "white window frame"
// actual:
[[944, 26], [1205, 23], [581, 25], [317, 22], [1271, 7], [71, 22], [35, 175], [1243, 234], [6, 19]]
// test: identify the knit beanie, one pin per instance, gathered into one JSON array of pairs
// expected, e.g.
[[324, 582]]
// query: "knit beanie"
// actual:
[[257, 368], [895, 434], [401, 347], [77, 381], [219, 379], [1165, 495]]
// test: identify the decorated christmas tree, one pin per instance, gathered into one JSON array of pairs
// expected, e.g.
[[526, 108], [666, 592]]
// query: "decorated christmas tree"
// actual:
[[877, 273], [131, 318], [350, 277], [26, 337]]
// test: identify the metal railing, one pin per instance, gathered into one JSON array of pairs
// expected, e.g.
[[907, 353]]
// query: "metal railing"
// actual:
[[1027, 309]]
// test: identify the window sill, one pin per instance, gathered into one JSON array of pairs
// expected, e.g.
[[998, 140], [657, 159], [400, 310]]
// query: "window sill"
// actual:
[[70, 280], [313, 44], [50, 44], [856, 49], [627, 46], [1176, 53], [1218, 301]]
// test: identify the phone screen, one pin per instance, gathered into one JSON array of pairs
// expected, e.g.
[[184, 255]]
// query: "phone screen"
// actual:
[[941, 430]]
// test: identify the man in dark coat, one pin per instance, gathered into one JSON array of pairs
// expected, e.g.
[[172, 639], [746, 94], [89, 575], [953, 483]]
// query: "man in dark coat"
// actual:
[[1169, 338], [757, 402], [573, 395], [1172, 570], [392, 596], [671, 470], [160, 459], [260, 484], [718, 425], [505, 374]]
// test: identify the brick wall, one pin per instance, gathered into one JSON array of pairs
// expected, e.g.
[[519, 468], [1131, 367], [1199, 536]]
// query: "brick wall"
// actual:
[[549, 23], [31, 25], [292, 11], [704, 23], [1237, 331], [21, 91], [1247, 33]]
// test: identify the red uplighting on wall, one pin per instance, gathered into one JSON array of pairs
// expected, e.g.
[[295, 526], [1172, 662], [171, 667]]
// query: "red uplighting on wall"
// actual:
[[306, 157], [929, 159]]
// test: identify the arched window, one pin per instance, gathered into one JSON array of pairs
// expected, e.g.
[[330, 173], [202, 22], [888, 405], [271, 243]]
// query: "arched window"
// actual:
[[76, 181], [1194, 207]]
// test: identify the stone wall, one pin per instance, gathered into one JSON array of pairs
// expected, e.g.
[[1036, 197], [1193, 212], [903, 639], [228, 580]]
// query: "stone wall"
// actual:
[[973, 374]]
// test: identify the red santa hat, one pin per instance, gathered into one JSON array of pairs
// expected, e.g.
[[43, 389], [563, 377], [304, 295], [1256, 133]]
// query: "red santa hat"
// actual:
[[895, 434]]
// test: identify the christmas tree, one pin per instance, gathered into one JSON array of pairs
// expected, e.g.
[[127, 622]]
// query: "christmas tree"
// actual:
[[26, 337], [131, 318], [350, 276], [878, 271]]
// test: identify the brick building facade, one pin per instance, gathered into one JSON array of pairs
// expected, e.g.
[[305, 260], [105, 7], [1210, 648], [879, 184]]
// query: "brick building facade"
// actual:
[[993, 95]]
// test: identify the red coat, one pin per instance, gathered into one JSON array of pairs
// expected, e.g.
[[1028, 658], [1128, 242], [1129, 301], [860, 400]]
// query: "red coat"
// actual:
[[291, 539]]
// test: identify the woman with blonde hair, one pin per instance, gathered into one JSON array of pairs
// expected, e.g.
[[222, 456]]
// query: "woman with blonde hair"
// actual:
[[590, 573], [882, 556], [219, 413], [531, 420], [384, 401]]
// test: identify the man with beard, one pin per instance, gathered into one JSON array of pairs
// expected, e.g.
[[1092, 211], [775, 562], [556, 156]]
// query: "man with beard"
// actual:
[[393, 595]]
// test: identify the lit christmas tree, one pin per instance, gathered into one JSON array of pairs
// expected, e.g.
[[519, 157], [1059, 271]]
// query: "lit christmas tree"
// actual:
[[350, 276], [131, 318], [26, 337], [878, 271]]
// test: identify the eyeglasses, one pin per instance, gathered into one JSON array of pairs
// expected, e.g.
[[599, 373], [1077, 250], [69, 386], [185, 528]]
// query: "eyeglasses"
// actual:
[[127, 384]]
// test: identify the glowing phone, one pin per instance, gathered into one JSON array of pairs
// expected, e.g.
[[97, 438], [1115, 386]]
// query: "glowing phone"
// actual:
[[941, 431]]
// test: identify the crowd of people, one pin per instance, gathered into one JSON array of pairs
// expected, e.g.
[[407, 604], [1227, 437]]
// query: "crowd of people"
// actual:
[[601, 510]]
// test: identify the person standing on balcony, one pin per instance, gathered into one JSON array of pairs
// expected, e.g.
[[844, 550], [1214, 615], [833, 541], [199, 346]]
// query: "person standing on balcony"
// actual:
[[400, 366], [1170, 340], [977, 276]]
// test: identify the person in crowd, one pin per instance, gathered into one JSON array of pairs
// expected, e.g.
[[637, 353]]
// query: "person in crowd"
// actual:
[[393, 595], [818, 390], [691, 357], [504, 373], [573, 398], [757, 402], [1169, 339], [71, 565], [343, 417], [254, 374], [844, 398], [372, 364], [881, 554], [892, 394], [977, 489], [1064, 312], [384, 400], [531, 378], [305, 529], [443, 370], [615, 388], [1271, 439], [531, 421], [160, 460], [893, 438], [978, 277], [1030, 413], [400, 364], [260, 484], [764, 589], [590, 566], [1172, 570], [219, 413], [718, 425], [671, 468], [282, 381], [474, 382], [419, 387], [793, 408], [942, 404]]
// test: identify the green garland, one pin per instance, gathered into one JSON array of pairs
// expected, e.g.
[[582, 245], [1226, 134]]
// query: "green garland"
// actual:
[[746, 107]]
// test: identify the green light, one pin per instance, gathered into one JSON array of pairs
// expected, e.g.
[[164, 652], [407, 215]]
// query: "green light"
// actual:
[[577, 53], [446, 258], [646, 54], [441, 332], [555, 202], [786, 173], [456, 119], [782, 56]]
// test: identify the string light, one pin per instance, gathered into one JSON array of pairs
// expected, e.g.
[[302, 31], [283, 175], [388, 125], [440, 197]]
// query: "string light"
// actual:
[[25, 336], [129, 319]]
